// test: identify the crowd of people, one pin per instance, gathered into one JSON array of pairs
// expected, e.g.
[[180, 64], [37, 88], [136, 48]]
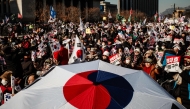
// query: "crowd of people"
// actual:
[[141, 46]]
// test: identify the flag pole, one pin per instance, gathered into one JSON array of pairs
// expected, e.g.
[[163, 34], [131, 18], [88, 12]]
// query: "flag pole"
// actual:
[[118, 7], [108, 16], [12, 84]]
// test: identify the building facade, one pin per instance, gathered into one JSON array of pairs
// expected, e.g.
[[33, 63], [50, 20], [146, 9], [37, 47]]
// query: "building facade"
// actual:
[[181, 12], [150, 7], [4, 8], [27, 8], [106, 7], [67, 3]]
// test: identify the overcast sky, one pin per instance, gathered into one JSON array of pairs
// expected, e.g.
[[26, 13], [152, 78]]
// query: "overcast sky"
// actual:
[[165, 4]]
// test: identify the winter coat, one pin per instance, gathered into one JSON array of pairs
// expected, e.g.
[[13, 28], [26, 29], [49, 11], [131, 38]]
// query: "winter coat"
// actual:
[[139, 59], [152, 71], [185, 88], [27, 67], [13, 64], [62, 56], [4, 90]]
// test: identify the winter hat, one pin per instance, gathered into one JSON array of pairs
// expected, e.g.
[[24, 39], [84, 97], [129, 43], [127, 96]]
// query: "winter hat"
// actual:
[[177, 46], [148, 60], [138, 50], [148, 52], [48, 61], [92, 49], [106, 53], [187, 54], [178, 79]]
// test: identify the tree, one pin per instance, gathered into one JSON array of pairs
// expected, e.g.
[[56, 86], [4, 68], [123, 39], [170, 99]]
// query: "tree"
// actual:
[[136, 16], [72, 14], [94, 14], [42, 14], [60, 13]]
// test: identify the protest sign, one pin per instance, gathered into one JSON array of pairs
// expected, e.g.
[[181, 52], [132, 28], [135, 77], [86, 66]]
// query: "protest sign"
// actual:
[[173, 64], [114, 59], [104, 18], [172, 27], [160, 55], [176, 40], [88, 31]]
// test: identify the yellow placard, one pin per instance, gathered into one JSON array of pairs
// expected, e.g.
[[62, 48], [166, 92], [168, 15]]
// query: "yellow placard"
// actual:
[[88, 31], [172, 27], [104, 18], [188, 25], [124, 20]]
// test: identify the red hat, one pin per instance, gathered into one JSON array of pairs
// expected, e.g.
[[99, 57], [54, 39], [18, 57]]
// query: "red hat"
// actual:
[[124, 28]]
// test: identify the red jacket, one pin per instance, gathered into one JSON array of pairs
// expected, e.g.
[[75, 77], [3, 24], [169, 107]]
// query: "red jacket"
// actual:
[[62, 56], [4, 91], [26, 44]]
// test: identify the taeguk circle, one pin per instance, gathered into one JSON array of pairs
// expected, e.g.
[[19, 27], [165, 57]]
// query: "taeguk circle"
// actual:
[[98, 90]]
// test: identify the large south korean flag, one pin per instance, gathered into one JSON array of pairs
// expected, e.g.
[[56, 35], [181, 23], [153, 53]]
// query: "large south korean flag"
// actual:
[[93, 85]]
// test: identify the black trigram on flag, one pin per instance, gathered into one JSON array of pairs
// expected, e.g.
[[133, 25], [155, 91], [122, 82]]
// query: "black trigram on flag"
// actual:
[[174, 106]]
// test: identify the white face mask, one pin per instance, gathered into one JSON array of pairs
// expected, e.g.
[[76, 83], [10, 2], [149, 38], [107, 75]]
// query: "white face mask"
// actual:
[[127, 61], [163, 47], [3, 82]]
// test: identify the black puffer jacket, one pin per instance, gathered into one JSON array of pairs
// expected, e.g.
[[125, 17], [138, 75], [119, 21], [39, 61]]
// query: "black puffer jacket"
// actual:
[[185, 88], [28, 68], [13, 64]]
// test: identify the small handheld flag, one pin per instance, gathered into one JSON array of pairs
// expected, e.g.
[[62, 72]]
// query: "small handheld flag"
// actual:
[[78, 54], [19, 16]]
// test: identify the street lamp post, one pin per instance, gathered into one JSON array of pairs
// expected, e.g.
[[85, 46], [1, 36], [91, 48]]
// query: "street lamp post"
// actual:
[[173, 6], [118, 6]]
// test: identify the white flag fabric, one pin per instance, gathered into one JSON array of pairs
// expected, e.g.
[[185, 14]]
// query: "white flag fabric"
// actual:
[[66, 41], [78, 54], [109, 15], [166, 20], [7, 97], [81, 25], [12, 81], [33, 55], [121, 35], [144, 22], [93, 85], [55, 46], [182, 19]]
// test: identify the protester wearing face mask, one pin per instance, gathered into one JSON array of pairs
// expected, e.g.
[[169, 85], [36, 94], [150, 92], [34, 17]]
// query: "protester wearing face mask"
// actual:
[[105, 57], [187, 61], [5, 86], [27, 66], [127, 62], [177, 49], [136, 58], [163, 47], [183, 80], [150, 68]]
